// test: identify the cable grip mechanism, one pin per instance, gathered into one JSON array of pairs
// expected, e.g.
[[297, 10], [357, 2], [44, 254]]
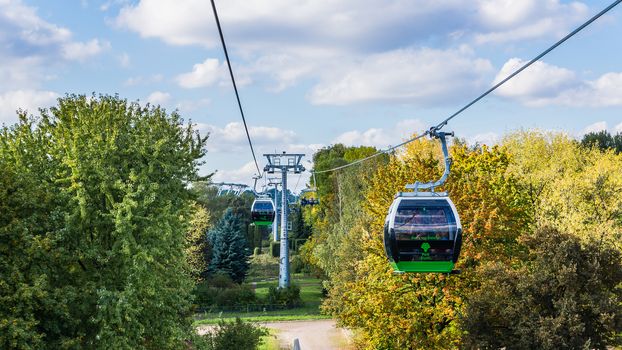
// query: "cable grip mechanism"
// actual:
[[441, 135]]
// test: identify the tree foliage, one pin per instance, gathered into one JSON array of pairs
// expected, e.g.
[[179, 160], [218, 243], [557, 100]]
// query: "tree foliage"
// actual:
[[503, 194], [218, 205], [230, 254], [334, 246], [572, 188], [420, 311], [603, 140], [564, 296], [198, 250], [234, 335], [92, 231]]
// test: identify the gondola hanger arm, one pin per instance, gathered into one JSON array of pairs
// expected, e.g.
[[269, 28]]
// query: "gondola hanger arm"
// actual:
[[441, 135]]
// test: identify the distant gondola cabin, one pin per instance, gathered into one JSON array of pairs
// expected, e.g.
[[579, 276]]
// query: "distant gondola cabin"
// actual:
[[262, 212]]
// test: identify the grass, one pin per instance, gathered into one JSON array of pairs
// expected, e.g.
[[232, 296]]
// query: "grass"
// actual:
[[262, 276], [310, 288], [270, 341], [262, 318], [311, 293], [307, 311], [263, 266]]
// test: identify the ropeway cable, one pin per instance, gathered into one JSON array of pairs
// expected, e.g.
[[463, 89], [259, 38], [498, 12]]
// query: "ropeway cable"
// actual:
[[237, 95]]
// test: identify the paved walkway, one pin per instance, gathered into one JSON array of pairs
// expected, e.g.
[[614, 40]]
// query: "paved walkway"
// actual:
[[312, 335]]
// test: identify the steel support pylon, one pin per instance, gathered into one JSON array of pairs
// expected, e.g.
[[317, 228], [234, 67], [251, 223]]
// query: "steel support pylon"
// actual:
[[284, 162], [284, 255]]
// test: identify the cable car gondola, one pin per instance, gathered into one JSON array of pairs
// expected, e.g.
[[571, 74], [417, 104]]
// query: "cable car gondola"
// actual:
[[422, 231], [262, 212], [309, 201]]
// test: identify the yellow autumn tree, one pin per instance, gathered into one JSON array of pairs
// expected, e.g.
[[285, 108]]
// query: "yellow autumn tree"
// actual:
[[196, 242], [420, 311], [573, 188]]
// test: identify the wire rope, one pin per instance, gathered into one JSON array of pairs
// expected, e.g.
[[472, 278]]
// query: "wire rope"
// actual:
[[296, 187], [235, 88]]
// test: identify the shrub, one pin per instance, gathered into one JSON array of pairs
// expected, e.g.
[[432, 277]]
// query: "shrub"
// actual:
[[289, 297], [234, 335], [298, 265], [566, 296], [257, 251], [221, 291]]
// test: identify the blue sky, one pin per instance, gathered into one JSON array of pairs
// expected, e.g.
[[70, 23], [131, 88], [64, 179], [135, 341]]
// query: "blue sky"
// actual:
[[315, 72]]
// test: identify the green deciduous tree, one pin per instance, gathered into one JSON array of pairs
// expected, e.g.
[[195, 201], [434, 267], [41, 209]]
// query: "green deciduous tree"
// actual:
[[230, 254], [28, 209], [217, 205], [198, 250], [565, 296], [603, 140], [97, 226]]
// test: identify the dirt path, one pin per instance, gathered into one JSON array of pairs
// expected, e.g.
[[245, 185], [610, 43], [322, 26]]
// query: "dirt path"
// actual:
[[312, 335]]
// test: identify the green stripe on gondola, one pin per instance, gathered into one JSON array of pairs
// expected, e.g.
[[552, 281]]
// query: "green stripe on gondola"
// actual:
[[263, 223], [423, 266]]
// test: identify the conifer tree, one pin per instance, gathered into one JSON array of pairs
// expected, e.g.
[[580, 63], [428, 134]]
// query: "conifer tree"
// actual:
[[229, 248]]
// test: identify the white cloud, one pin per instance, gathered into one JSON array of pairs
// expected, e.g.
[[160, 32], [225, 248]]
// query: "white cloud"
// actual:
[[232, 137], [203, 74], [595, 127], [507, 20], [420, 76], [175, 22], [28, 27], [600, 126], [159, 98], [280, 42], [285, 69], [604, 91], [488, 138], [381, 138], [32, 47], [538, 81], [22, 30], [544, 84], [77, 51], [346, 24], [30, 100], [244, 174], [370, 137], [18, 73], [229, 143]]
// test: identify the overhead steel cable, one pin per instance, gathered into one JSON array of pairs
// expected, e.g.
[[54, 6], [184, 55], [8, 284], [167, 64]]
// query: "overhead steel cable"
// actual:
[[373, 155], [235, 88], [505, 80], [534, 60]]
